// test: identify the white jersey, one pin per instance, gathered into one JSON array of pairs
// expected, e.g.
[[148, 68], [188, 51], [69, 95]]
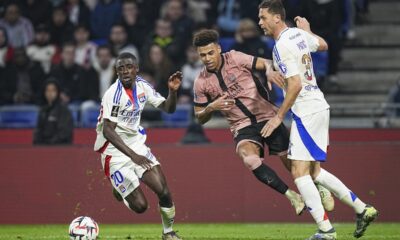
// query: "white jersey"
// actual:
[[119, 107], [292, 56]]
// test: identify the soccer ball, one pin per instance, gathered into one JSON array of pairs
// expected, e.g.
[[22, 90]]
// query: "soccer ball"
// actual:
[[83, 228]]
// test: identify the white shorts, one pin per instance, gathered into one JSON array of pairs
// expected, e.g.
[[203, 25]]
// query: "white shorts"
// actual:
[[309, 137], [123, 173]]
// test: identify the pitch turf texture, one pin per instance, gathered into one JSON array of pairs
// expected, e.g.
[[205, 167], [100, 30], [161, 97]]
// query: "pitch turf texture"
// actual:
[[257, 231]]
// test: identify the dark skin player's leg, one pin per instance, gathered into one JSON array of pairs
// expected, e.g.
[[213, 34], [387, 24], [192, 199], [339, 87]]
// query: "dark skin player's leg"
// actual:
[[137, 201], [156, 181]]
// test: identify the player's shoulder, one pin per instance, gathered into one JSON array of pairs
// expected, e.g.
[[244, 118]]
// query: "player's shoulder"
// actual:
[[113, 92], [143, 83], [203, 75]]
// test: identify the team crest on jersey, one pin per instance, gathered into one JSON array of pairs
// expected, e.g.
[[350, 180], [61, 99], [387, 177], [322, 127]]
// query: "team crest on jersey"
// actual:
[[114, 111], [282, 67], [231, 77], [142, 97]]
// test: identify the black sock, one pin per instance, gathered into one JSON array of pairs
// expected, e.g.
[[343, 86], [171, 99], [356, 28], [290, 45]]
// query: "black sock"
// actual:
[[268, 176]]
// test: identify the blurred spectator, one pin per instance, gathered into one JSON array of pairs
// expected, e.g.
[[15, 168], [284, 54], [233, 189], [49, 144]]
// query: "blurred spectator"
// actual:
[[248, 40], [104, 65], [6, 51], [326, 18], [190, 70], [76, 83], [7, 84], [28, 76], [231, 11], [133, 23], [149, 11], [19, 29], [104, 16], [394, 98], [55, 124], [41, 49], [362, 9], [164, 37], [85, 52], [38, 11], [61, 29], [119, 41], [91, 4], [292, 10], [174, 11], [202, 12], [78, 13], [56, 3], [159, 66]]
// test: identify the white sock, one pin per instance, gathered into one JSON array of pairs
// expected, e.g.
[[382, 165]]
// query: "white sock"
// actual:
[[340, 190], [167, 218], [311, 197]]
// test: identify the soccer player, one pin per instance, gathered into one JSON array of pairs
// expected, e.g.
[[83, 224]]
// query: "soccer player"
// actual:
[[309, 131], [121, 140], [227, 84]]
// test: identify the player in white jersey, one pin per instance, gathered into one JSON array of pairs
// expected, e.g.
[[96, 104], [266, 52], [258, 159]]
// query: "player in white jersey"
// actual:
[[121, 140], [309, 132]]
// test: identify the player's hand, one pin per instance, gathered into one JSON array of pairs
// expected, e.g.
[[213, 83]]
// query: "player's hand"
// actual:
[[142, 161], [174, 81], [275, 77], [302, 23], [270, 126], [223, 103]]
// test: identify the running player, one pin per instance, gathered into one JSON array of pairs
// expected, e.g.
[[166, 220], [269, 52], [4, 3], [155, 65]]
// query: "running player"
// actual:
[[121, 140], [309, 131], [228, 85]]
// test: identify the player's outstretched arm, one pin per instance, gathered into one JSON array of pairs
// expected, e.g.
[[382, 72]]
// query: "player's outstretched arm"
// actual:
[[303, 24], [224, 103], [174, 82], [110, 134]]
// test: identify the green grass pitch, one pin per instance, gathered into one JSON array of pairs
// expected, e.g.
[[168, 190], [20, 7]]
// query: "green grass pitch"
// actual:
[[257, 231]]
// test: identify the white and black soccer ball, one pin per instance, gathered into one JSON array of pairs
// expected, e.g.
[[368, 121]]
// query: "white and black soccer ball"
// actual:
[[83, 228]]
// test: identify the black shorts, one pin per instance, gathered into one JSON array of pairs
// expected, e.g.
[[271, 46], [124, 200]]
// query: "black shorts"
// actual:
[[277, 142]]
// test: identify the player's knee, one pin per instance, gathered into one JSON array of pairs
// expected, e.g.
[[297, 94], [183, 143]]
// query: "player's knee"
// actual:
[[252, 161], [140, 207], [299, 171]]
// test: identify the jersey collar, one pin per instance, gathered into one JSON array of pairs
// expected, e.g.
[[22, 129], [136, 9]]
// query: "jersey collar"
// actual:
[[280, 34]]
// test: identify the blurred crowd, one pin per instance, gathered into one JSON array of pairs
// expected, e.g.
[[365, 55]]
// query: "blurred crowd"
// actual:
[[74, 42]]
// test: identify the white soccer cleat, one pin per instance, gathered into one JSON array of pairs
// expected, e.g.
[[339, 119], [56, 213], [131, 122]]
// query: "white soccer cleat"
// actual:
[[326, 198], [296, 201]]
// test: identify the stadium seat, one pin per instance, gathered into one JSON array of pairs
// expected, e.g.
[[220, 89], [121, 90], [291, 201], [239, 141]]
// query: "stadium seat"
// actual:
[[75, 114], [89, 117], [18, 116], [226, 43], [180, 118], [320, 63]]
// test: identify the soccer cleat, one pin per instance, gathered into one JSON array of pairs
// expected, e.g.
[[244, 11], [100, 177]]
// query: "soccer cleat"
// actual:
[[320, 235], [171, 236], [296, 201], [364, 219], [117, 195], [326, 198]]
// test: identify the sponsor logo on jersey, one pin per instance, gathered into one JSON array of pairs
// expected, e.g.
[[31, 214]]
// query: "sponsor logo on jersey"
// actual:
[[142, 97], [114, 111], [283, 68], [122, 188], [129, 103]]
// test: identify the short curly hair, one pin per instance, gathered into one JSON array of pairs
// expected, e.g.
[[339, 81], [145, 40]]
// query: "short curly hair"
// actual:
[[205, 37]]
